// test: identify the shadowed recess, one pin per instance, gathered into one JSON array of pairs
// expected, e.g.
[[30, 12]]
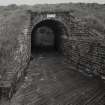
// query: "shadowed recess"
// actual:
[[48, 35]]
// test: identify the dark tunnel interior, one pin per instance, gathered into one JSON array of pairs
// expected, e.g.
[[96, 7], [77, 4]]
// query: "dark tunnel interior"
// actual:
[[47, 36]]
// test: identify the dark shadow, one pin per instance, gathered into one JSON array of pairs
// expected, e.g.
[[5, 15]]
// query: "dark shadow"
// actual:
[[47, 36]]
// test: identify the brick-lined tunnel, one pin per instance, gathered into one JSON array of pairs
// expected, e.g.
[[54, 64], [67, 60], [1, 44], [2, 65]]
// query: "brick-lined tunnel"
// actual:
[[62, 48], [48, 34]]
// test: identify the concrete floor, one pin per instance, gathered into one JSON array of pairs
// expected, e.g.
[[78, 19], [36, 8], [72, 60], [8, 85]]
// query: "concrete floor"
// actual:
[[50, 82]]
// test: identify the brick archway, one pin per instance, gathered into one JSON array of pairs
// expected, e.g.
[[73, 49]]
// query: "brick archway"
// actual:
[[58, 28]]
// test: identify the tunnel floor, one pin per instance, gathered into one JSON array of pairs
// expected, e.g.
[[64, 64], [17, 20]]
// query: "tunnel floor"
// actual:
[[50, 82]]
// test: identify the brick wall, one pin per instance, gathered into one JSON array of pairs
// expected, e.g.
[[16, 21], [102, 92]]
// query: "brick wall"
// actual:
[[23, 52], [87, 57]]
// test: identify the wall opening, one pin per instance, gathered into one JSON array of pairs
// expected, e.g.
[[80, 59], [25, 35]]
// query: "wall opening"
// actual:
[[48, 35]]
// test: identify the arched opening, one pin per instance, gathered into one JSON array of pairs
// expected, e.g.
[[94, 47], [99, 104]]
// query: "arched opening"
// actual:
[[47, 35]]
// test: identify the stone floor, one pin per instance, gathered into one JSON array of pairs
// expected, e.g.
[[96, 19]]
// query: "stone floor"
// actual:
[[50, 82]]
